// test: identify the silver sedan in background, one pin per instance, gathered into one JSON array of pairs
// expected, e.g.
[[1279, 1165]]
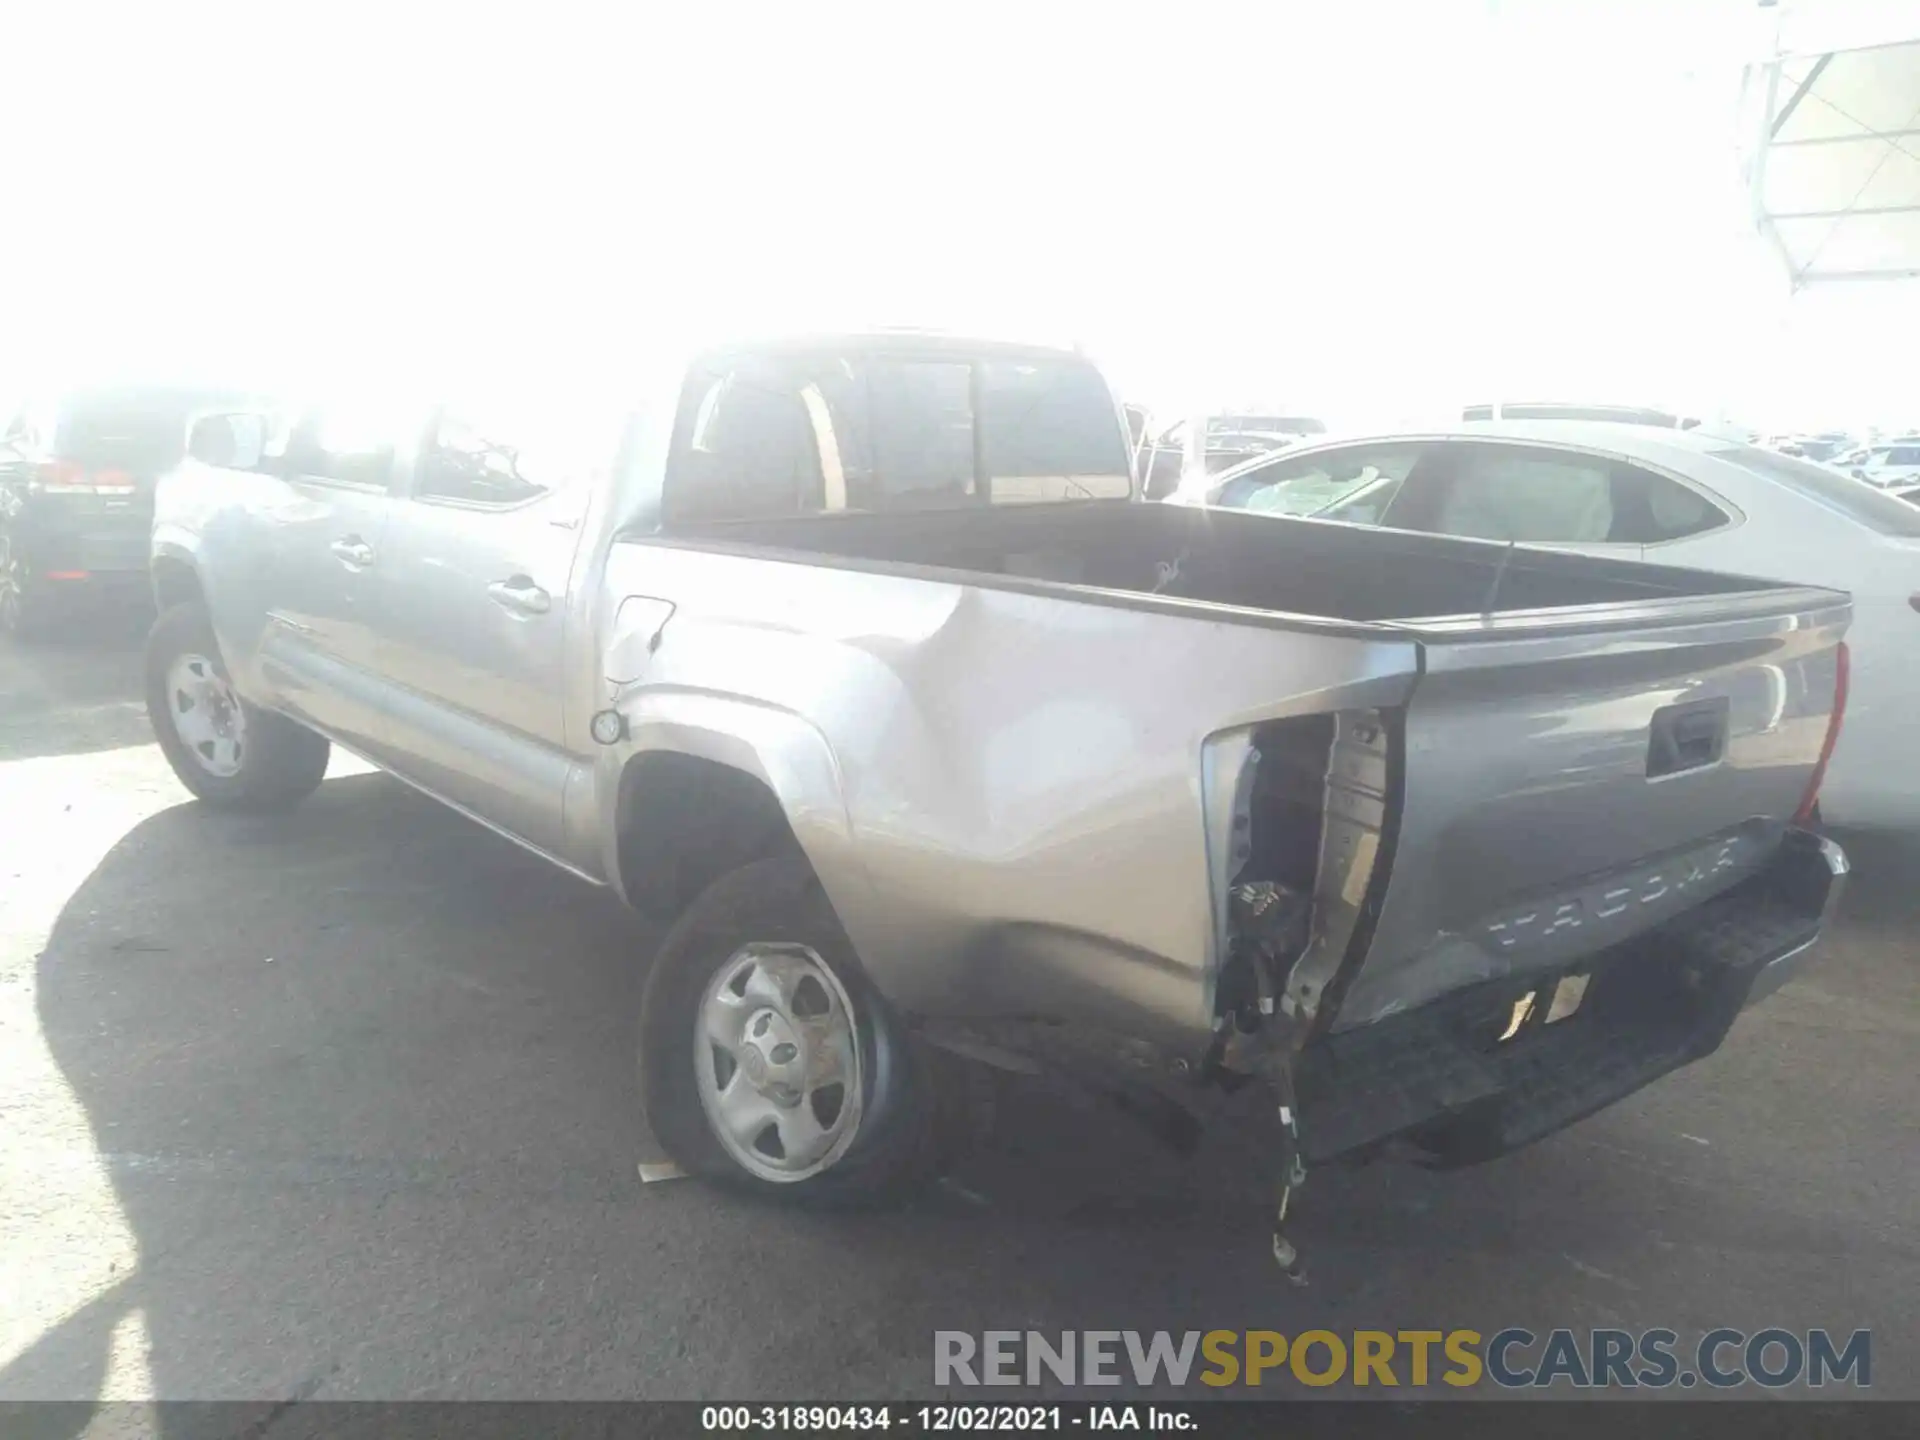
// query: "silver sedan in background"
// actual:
[[1676, 496]]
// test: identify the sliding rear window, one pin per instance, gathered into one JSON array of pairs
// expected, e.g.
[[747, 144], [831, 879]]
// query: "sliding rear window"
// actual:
[[762, 436], [1830, 489]]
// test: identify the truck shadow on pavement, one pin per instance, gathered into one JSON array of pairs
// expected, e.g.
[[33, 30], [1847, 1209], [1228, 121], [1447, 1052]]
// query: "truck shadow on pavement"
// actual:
[[361, 1080]]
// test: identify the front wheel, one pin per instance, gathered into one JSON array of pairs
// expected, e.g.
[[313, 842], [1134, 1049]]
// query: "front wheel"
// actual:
[[226, 751], [768, 1063]]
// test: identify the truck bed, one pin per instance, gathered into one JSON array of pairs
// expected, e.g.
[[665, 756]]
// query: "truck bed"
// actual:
[[1071, 739], [1303, 568]]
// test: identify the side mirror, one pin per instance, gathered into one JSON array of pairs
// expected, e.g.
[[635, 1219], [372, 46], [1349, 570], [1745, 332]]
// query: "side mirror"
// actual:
[[233, 442]]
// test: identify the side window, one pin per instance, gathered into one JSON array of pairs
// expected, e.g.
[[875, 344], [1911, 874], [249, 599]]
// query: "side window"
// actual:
[[1649, 509], [1904, 455], [1174, 437], [1478, 412], [1512, 493], [480, 464], [1351, 485], [1557, 498], [344, 446]]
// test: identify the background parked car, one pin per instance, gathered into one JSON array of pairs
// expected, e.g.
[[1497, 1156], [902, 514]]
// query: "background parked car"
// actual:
[[1202, 445], [1618, 414], [77, 474], [1822, 447], [1679, 496], [1886, 465]]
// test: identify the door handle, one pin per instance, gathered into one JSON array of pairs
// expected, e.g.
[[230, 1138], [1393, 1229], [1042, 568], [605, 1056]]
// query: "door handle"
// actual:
[[520, 594], [353, 550]]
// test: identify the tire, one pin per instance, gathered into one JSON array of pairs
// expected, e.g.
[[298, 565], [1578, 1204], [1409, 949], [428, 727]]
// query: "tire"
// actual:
[[751, 923], [258, 760]]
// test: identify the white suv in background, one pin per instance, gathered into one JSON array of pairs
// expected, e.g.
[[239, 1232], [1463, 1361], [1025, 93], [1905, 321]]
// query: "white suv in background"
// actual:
[[1887, 465]]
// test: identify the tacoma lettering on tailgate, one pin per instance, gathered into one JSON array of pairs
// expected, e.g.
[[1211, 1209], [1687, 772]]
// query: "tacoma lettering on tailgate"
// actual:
[[1627, 901]]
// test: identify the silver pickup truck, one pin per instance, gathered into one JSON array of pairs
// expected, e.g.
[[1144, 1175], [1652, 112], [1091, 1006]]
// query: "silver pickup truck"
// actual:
[[859, 661]]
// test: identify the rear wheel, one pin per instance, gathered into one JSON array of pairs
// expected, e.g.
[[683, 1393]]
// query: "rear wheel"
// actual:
[[226, 751], [768, 1063], [23, 596]]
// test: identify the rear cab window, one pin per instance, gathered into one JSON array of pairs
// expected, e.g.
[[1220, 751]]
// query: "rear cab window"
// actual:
[[1830, 489], [767, 435]]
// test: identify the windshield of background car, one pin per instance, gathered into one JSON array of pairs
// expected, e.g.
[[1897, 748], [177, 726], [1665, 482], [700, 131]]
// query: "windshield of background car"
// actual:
[[770, 435], [1855, 499]]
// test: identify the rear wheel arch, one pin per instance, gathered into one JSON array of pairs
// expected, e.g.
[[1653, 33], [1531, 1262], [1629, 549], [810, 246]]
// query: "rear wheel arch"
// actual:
[[685, 820], [176, 582]]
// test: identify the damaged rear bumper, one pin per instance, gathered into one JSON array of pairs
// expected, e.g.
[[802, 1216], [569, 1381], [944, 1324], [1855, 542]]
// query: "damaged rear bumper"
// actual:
[[1496, 1066]]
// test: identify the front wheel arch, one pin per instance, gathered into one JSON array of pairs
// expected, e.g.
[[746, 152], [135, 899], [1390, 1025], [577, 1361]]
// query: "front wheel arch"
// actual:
[[279, 762]]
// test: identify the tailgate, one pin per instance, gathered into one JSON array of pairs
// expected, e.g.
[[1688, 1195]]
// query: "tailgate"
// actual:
[[1570, 778]]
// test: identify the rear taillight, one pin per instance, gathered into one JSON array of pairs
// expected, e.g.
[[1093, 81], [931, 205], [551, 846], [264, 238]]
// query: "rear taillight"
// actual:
[[1841, 676], [70, 477], [61, 475]]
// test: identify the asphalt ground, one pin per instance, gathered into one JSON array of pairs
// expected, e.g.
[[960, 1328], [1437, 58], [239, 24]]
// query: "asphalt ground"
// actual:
[[341, 1105]]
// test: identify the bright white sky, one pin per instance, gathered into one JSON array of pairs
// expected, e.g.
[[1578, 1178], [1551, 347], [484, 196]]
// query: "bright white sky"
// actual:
[[1373, 210]]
